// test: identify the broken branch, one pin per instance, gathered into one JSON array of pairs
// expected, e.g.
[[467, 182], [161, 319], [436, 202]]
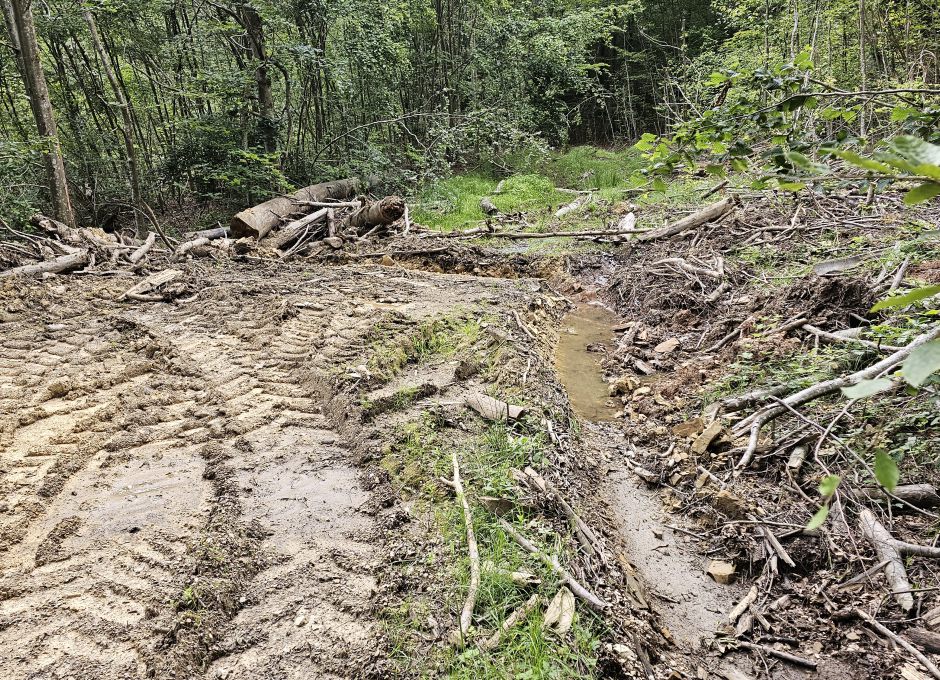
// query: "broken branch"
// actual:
[[466, 616], [552, 562]]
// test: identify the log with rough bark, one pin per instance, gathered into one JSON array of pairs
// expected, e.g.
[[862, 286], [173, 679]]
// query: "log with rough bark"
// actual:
[[59, 264], [151, 283], [376, 214], [211, 234], [697, 219], [573, 206], [927, 639], [258, 221], [919, 495], [487, 206], [141, 252], [292, 231], [589, 233], [189, 245]]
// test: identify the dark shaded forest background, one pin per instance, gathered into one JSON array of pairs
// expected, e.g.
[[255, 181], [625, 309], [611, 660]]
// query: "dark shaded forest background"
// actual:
[[217, 102]]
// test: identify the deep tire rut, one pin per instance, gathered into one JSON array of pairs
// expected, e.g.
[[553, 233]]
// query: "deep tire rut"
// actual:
[[175, 500]]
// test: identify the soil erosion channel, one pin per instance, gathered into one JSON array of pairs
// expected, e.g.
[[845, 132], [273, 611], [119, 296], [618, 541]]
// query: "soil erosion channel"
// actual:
[[690, 604]]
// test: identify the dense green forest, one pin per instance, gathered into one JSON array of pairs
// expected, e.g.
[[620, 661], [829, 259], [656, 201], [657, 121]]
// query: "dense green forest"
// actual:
[[170, 102]]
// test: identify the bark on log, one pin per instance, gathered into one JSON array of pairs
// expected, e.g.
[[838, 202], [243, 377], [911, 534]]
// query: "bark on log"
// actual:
[[703, 216], [189, 245], [589, 233], [141, 252], [259, 220], [920, 495], [376, 214], [151, 283], [487, 206], [927, 639], [292, 231], [55, 266], [883, 543], [211, 234]]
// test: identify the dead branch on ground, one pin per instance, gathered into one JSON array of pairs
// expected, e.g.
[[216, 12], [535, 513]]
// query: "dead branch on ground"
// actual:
[[466, 615]]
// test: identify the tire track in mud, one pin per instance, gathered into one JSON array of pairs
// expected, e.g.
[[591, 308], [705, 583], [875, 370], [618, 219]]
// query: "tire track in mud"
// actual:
[[173, 495]]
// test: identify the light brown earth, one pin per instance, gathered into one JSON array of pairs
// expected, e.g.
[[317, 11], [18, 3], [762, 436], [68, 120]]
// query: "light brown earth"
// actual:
[[185, 488]]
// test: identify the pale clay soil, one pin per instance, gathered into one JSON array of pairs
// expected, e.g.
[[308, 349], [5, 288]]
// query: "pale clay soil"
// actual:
[[150, 448]]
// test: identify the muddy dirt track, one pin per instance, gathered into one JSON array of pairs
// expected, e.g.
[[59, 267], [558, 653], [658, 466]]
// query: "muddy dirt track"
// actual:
[[152, 451], [189, 488]]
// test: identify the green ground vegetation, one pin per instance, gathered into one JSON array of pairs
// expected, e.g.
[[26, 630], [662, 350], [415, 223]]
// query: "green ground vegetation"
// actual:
[[420, 456]]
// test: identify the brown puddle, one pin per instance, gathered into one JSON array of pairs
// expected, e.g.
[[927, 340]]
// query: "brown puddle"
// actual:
[[579, 369]]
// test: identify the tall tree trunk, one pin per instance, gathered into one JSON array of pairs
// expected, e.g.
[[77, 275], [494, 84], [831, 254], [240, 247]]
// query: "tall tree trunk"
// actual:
[[863, 124], [41, 105], [255, 30], [122, 104]]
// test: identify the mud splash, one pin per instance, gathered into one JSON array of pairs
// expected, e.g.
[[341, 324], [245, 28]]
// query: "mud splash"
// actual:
[[585, 333]]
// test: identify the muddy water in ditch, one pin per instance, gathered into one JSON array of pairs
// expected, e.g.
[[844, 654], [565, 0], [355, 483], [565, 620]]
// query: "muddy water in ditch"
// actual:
[[586, 332], [691, 606]]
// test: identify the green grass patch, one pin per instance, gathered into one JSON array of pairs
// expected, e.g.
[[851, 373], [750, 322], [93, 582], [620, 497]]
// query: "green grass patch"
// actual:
[[440, 337], [588, 167], [421, 455], [454, 203]]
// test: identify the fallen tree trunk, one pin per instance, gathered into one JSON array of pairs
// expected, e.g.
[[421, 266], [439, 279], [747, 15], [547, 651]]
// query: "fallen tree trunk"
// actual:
[[295, 229], [376, 214], [703, 216], [189, 245], [567, 234], [211, 234], [258, 221], [920, 495], [151, 283], [59, 264]]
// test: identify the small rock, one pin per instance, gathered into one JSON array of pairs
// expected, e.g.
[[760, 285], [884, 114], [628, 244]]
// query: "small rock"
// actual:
[[689, 428], [704, 440], [624, 652], [729, 504], [622, 385], [300, 620], [721, 572], [387, 261], [333, 242], [59, 387], [667, 346]]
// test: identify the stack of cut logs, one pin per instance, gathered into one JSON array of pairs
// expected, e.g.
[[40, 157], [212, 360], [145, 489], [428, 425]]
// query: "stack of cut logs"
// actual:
[[320, 216], [324, 213]]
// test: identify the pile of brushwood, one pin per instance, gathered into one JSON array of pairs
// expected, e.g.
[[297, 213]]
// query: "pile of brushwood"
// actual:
[[777, 378]]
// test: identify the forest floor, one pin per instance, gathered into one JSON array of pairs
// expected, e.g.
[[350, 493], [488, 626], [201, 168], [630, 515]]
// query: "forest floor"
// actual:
[[251, 480]]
